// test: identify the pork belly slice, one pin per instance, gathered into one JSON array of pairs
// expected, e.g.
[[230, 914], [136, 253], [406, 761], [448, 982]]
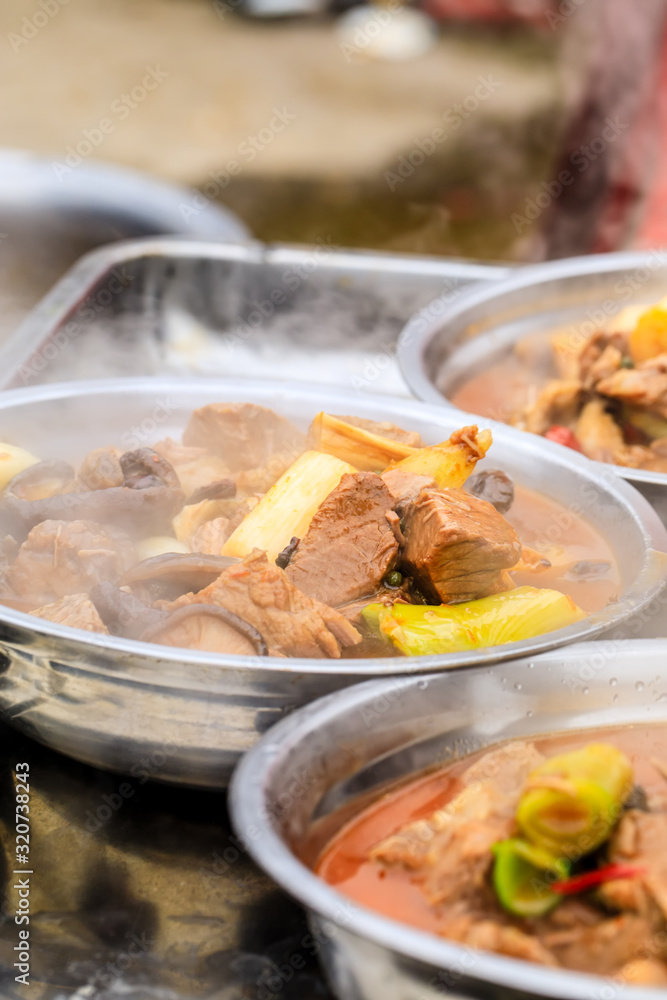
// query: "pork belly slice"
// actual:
[[350, 544], [457, 546], [291, 623]]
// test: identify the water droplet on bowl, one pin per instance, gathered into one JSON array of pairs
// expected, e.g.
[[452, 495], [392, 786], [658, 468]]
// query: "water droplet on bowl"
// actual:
[[639, 686], [613, 682], [518, 686]]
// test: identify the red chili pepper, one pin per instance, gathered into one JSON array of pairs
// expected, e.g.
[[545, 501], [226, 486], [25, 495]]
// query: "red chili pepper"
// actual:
[[563, 435], [580, 883]]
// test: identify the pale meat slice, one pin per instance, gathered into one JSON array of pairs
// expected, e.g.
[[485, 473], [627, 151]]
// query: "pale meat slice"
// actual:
[[211, 536], [75, 610], [644, 386], [644, 972], [195, 467], [608, 363], [559, 402], [69, 557], [603, 948], [385, 429], [451, 850], [291, 623], [207, 634], [245, 436], [457, 546], [350, 545]]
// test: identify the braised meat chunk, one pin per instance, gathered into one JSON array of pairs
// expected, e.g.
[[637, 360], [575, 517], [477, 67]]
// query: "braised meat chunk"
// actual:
[[457, 546], [350, 545], [69, 557], [75, 610], [291, 623], [245, 436], [644, 386]]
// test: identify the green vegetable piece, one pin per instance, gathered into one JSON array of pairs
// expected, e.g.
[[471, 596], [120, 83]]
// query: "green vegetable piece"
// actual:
[[573, 801], [523, 875], [394, 579], [423, 630]]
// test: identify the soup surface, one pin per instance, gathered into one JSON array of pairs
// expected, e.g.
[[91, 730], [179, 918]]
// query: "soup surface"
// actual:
[[424, 854]]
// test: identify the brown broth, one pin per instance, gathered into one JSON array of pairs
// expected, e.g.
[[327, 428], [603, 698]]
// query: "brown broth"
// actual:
[[565, 539], [395, 892]]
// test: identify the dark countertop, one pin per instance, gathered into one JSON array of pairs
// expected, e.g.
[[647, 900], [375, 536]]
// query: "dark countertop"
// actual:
[[141, 889]]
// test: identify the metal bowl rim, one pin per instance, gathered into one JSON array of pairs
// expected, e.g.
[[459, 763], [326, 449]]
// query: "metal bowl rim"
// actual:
[[76, 642], [247, 802], [418, 332]]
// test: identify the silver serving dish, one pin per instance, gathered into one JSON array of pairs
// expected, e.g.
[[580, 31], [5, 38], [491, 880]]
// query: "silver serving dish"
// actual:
[[116, 703], [177, 307], [48, 220], [444, 343], [299, 784]]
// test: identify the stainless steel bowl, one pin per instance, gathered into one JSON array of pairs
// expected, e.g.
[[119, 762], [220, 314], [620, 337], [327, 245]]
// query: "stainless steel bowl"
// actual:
[[116, 703], [445, 343], [48, 220], [296, 787]]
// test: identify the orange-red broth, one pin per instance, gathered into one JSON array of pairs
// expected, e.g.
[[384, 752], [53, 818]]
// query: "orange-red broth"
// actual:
[[395, 892]]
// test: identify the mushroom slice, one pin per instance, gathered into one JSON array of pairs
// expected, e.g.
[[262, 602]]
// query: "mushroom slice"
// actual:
[[123, 613], [145, 468], [222, 489], [42, 480], [136, 510], [207, 627], [168, 576]]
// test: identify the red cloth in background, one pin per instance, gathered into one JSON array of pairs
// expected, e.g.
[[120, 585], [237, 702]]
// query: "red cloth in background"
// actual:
[[652, 229], [488, 10]]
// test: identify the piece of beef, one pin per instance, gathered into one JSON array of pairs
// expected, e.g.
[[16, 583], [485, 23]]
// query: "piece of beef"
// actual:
[[195, 467], [69, 557], [350, 545], [385, 429], [451, 850], [245, 436], [491, 935], [457, 546], [292, 623], [75, 610], [559, 402], [492, 485], [644, 386], [406, 486]]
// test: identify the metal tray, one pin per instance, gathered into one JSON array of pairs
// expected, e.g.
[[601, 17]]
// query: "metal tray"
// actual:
[[446, 341], [112, 702], [307, 773], [175, 307]]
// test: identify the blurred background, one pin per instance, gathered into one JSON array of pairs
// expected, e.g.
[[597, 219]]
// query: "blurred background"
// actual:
[[497, 129]]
